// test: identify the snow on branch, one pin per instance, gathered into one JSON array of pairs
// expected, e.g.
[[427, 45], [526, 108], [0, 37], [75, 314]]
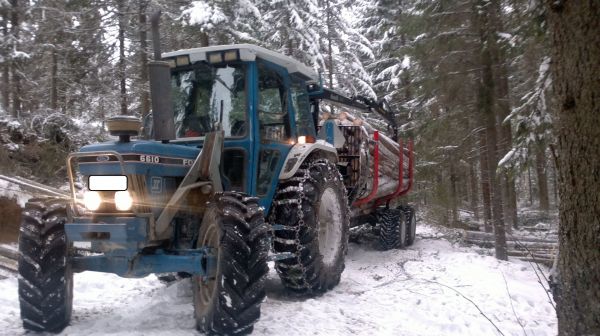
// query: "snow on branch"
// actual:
[[204, 15]]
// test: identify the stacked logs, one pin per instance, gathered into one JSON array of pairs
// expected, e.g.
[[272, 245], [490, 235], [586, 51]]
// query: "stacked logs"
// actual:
[[389, 161], [525, 248], [8, 259]]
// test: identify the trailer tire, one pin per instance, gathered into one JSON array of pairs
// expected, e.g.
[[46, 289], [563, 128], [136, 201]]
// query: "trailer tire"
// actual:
[[392, 228], [312, 209], [45, 274], [411, 224], [229, 303]]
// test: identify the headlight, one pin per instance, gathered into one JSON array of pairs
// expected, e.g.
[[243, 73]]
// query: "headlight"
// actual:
[[123, 200], [92, 200]]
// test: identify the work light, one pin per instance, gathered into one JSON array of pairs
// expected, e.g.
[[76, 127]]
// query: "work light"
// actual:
[[92, 200], [123, 200]]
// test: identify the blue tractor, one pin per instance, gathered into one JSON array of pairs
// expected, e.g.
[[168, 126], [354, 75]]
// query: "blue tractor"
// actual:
[[238, 172]]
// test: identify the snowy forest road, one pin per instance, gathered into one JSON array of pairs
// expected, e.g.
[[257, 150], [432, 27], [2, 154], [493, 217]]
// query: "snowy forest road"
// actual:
[[422, 290]]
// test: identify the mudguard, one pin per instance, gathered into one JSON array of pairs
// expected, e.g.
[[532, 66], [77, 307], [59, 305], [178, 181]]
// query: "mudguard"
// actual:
[[300, 152]]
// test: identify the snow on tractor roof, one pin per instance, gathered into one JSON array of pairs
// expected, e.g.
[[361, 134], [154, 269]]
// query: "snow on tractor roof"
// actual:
[[249, 52]]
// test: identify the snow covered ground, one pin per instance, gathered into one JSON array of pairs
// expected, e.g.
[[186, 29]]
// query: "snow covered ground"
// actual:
[[429, 289]]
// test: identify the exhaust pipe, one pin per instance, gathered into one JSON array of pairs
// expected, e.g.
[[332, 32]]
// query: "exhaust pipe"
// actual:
[[163, 124]]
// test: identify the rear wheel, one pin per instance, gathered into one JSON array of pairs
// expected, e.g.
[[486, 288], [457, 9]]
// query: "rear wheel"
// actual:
[[229, 302], [45, 275], [312, 209], [392, 228]]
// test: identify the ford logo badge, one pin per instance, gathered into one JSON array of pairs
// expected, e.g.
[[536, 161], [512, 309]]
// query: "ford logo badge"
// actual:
[[102, 158]]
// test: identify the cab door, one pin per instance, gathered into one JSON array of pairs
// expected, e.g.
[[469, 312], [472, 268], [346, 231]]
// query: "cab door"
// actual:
[[276, 132]]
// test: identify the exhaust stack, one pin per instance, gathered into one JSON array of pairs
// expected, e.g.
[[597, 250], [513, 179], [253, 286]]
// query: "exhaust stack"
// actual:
[[163, 125]]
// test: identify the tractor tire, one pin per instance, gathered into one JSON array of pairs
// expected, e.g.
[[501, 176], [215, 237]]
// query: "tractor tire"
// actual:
[[392, 228], [411, 224], [45, 274], [229, 302], [312, 209]]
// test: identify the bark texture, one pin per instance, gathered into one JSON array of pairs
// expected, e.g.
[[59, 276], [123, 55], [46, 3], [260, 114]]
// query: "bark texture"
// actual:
[[575, 27]]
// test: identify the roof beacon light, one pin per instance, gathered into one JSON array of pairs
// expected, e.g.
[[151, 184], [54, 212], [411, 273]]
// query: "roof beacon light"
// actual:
[[123, 126]]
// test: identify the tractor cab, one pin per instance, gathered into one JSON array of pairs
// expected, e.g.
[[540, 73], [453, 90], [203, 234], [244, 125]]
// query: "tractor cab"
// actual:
[[257, 97]]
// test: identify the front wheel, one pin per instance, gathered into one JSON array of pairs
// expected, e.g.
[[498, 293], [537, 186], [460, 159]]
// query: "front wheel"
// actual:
[[312, 211], [45, 275], [229, 302]]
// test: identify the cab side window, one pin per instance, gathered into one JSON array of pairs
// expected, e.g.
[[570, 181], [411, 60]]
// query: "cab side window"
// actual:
[[272, 106], [305, 124]]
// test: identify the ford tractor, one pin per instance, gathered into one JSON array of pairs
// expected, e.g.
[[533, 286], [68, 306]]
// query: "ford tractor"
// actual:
[[233, 169]]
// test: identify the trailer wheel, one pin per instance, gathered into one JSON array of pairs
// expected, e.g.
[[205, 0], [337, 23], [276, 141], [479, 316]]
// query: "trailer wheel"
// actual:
[[392, 228], [45, 275], [411, 224], [312, 209], [229, 302]]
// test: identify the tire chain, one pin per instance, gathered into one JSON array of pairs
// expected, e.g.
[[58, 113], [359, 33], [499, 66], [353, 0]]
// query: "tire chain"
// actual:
[[300, 224]]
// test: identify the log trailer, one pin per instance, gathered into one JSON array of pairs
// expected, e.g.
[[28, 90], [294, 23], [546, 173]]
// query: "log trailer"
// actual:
[[239, 171]]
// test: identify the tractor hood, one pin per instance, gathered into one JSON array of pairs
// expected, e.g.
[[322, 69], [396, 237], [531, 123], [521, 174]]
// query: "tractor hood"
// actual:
[[151, 158]]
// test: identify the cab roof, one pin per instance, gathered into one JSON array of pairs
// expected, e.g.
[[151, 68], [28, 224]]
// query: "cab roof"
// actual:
[[249, 52]]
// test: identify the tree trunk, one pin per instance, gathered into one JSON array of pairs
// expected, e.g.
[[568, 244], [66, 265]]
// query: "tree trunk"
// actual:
[[502, 94], [485, 183], [512, 199], [145, 95], [554, 184], [204, 42], [495, 192], [6, 86], [474, 192], [542, 177], [453, 194], [329, 43], [54, 80], [529, 185], [122, 79], [15, 73], [486, 103], [5, 65], [574, 27]]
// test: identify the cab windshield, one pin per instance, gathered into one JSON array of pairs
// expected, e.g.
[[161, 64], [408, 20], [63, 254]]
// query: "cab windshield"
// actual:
[[208, 97]]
